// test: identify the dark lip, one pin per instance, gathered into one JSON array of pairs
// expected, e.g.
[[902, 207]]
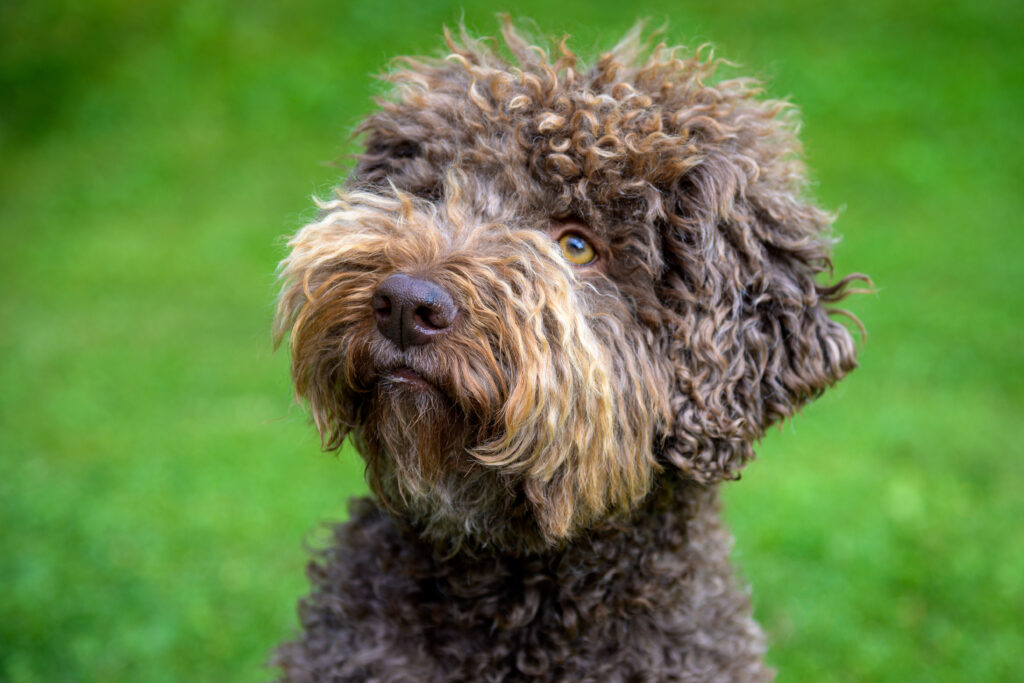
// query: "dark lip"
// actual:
[[406, 375]]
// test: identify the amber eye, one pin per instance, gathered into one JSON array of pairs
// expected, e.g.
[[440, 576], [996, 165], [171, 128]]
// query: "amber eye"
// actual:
[[576, 248]]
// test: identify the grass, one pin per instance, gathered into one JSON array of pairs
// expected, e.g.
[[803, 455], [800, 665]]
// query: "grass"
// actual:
[[156, 481]]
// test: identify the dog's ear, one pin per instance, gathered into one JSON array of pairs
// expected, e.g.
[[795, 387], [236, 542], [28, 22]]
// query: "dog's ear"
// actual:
[[751, 336]]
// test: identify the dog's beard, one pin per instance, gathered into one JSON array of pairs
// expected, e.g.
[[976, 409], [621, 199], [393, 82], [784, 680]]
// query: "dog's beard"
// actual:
[[415, 426], [417, 444]]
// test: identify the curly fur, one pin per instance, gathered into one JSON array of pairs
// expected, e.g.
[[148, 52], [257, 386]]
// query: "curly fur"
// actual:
[[546, 510]]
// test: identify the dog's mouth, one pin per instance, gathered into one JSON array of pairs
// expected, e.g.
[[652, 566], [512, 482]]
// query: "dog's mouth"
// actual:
[[404, 377], [401, 385], [408, 376]]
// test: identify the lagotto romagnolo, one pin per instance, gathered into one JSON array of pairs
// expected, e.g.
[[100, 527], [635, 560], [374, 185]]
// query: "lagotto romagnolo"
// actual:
[[553, 306]]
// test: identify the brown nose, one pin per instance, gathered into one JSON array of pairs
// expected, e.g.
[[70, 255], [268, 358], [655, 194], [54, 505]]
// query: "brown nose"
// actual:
[[410, 311]]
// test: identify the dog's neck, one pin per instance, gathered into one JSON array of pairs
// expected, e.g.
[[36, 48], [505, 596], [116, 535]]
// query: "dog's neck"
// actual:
[[667, 559], [663, 523], [653, 589]]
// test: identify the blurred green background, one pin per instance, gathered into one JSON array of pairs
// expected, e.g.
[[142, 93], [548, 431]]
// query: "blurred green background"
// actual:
[[157, 484]]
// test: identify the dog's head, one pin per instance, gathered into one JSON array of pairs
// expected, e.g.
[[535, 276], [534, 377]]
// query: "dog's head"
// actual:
[[545, 283]]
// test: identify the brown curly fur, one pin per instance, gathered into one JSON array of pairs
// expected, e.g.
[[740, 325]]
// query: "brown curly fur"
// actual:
[[547, 508]]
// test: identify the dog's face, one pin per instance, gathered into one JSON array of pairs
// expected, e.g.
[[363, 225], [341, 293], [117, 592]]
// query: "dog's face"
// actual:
[[543, 285]]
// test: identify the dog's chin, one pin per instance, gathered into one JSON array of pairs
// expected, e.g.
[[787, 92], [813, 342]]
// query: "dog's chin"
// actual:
[[417, 443], [413, 423]]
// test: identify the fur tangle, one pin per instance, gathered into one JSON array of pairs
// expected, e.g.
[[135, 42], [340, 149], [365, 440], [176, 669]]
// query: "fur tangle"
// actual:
[[559, 451]]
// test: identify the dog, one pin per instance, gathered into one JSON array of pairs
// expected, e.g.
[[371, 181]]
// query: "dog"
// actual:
[[553, 306]]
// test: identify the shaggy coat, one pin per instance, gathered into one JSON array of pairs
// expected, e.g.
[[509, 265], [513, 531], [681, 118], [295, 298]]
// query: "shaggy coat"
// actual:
[[613, 272]]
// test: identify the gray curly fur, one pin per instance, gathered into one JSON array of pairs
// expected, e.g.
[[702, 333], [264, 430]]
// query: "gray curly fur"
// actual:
[[546, 495]]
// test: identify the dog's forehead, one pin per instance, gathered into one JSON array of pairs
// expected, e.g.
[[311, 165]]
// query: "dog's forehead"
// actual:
[[607, 136], [496, 178]]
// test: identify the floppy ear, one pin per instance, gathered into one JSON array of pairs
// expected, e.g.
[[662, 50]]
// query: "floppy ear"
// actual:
[[752, 339]]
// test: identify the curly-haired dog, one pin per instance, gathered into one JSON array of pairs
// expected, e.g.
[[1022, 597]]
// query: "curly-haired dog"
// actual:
[[553, 306]]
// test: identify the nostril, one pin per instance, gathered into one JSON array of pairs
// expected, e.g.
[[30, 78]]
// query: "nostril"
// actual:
[[432, 317], [381, 305]]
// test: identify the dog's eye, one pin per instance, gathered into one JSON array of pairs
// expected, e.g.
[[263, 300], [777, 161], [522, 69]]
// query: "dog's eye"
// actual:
[[576, 248]]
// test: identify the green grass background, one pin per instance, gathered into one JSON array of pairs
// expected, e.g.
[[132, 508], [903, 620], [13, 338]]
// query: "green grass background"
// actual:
[[157, 483]]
